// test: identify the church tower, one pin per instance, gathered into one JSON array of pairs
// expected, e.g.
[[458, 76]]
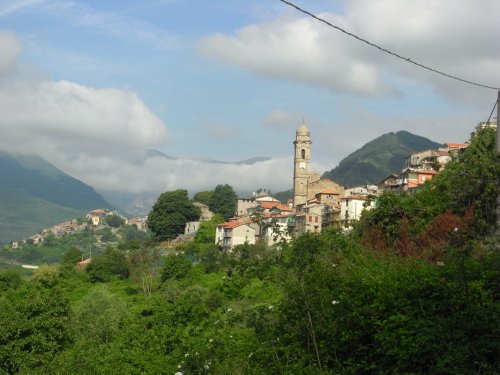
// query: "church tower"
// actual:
[[301, 164]]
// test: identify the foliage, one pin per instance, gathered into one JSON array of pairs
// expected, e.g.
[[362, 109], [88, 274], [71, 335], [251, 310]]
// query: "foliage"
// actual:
[[104, 267], [9, 279], [378, 158], [177, 266], [462, 196], [223, 201], [405, 293], [130, 233], [204, 197], [33, 327], [170, 214], [72, 256], [114, 221], [206, 231]]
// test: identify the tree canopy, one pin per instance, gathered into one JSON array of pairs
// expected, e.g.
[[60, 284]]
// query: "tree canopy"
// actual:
[[169, 215], [224, 201]]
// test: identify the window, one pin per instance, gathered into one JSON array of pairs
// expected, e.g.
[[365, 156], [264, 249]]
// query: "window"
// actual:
[[310, 218], [303, 153]]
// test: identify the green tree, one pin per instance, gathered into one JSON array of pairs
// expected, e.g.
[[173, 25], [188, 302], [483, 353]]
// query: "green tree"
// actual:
[[177, 266], [33, 327], [204, 197], [170, 213], [9, 279], [206, 231], [114, 221], [111, 263], [72, 256], [224, 201]]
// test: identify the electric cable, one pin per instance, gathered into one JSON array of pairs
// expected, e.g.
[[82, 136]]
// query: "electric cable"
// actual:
[[407, 59]]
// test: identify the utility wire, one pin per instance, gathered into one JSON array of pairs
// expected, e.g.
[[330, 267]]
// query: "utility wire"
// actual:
[[407, 59], [491, 114]]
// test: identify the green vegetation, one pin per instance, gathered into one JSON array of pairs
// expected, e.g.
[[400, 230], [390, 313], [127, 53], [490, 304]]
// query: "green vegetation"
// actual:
[[22, 215], [223, 201], [37, 195], [405, 293], [378, 159], [170, 214]]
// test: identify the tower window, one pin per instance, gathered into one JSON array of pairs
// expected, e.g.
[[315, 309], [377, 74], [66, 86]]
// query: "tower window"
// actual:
[[303, 153]]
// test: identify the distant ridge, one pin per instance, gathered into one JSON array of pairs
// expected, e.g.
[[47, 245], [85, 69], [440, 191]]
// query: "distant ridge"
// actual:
[[35, 194], [378, 158]]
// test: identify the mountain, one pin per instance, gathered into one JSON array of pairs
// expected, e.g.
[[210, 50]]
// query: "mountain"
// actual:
[[378, 158], [34, 194]]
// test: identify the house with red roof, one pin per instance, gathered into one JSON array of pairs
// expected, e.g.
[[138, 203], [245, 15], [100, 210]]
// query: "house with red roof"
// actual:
[[232, 233]]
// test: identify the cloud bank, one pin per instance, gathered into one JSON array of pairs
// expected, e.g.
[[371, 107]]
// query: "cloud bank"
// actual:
[[456, 36], [99, 135]]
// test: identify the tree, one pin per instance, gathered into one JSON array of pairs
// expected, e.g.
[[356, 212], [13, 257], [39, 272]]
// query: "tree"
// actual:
[[103, 267], [114, 221], [170, 213], [72, 256], [204, 197], [206, 232], [224, 201], [177, 267]]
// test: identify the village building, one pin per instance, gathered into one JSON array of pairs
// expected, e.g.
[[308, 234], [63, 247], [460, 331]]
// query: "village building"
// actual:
[[192, 226], [233, 233]]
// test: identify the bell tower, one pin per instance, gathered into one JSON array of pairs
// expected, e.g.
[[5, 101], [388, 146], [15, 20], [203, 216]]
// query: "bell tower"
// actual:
[[301, 163]]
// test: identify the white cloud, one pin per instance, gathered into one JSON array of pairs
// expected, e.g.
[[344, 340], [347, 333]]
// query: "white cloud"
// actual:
[[100, 136], [458, 37], [279, 118], [160, 174], [297, 49], [9, 49], [219, 131]]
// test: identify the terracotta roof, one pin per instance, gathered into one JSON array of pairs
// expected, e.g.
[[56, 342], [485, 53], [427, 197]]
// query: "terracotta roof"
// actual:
[[234, 224], [426, 171], [268, 205], [456, 145], [329, 192]]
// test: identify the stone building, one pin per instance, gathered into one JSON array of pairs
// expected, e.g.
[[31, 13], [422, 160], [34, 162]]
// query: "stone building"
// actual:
[[306, 183]]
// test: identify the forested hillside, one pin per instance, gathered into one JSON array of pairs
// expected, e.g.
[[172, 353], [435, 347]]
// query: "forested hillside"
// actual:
[[36, 195], [414, 289], [378, 158]]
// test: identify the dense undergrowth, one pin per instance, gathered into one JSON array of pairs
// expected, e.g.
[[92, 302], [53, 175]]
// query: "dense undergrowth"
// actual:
[[415, 289]]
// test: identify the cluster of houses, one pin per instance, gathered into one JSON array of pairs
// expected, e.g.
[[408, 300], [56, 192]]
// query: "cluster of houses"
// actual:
[[95, 219], [322, 203]]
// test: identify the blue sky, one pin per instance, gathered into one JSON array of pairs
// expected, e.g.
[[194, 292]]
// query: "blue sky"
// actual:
[[89, 85]]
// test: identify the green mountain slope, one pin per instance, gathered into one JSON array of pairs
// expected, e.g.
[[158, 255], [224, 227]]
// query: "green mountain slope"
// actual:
[[22, 215], [34, 194], [378, 158]]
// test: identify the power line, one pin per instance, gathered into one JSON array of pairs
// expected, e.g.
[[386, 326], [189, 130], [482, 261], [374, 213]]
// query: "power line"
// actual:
[[491, 114], [407, 59]]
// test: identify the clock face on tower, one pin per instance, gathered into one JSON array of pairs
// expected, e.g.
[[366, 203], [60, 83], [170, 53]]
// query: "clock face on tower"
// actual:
[[302, 165]]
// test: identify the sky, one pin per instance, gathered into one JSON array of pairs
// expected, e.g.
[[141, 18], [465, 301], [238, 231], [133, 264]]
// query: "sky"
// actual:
[[91, 85]]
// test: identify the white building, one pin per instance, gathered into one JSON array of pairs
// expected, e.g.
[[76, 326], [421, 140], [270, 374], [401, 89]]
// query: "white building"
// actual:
[[233, 233], [351, 207]]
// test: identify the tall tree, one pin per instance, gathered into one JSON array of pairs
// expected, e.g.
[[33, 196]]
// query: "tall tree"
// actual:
[[203, 197], [170, 213], [224, 201]]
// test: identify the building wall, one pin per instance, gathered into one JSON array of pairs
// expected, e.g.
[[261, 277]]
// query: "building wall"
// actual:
[[302, 160], [244, 204], [318, 186]]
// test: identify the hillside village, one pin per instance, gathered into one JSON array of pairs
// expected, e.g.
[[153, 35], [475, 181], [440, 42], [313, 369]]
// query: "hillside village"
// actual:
[[317, 203], [320, 203], [93, 221]]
